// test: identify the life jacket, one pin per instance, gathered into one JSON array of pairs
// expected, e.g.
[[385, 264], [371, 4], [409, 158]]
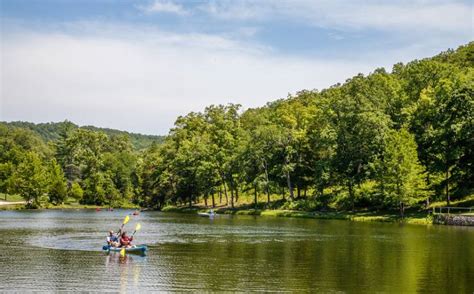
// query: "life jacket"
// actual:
[[124, 241], [112, 238]]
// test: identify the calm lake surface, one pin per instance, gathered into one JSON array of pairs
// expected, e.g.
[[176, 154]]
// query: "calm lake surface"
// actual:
[[61, 250]]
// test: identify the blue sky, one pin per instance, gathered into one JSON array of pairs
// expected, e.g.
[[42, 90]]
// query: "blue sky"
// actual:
[[137, 65]]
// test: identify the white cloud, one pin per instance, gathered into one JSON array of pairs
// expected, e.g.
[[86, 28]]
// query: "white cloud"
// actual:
[[450, 16], [142, 83], [160, 6], [139, 78]]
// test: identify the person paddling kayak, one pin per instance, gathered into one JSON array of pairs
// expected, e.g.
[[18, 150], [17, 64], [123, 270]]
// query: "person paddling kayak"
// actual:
[[112, 240], [126, 241]]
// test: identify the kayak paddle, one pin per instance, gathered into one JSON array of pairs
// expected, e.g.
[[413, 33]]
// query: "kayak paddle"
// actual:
[[122, 252], [138, 227], [127, 218]]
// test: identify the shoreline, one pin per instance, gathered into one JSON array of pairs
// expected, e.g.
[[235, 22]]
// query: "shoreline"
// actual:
[[419, 218], [22, 206], [416, 217]]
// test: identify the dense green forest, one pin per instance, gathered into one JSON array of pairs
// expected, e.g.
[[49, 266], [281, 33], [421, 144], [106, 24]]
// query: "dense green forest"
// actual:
[[52, 131], [386, 141]]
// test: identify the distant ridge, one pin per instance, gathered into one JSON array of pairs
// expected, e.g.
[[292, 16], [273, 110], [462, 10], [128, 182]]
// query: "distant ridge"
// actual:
[[50, 131]]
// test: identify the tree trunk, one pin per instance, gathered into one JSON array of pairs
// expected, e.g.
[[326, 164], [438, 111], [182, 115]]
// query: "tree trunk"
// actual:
[[428, 182], [282, 192], [255, 195], [402, 210], [191, 201], [236, 195], [231, 197], [205, 200], [290, 187], [268, 194], [298, 191], [267, 183], [213, 201], [351, 194], [304, 192], [225, 193], [220, 194], [447, 186]]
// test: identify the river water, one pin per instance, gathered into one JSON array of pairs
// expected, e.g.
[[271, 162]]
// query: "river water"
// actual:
[[57, 250]]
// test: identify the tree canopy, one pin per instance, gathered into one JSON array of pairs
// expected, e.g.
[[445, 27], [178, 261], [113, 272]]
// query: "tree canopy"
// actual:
[[386, 140]]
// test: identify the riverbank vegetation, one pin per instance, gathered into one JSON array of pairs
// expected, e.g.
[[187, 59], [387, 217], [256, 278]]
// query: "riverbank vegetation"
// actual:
[[389, 141], [411, 217]]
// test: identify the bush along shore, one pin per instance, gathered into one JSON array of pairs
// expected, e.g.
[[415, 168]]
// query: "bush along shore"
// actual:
[[417, 217], [281, 208], [15, 202]]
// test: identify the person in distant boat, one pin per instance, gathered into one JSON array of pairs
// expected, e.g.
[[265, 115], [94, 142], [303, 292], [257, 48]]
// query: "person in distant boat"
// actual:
[[112, 239], [125, 241]]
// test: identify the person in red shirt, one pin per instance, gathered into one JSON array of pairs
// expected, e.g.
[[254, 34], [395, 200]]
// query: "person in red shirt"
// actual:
[[125, 241]]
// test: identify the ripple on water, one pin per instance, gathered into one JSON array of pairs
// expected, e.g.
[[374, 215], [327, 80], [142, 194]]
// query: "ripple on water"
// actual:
[[230, 254], [69, 239]]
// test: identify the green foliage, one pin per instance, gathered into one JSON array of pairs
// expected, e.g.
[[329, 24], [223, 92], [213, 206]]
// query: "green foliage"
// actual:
[[372, 135], [75, 191], [53, 131], [29, 179], [57, 184], [385, 140], [401, 175], [452, 135], [303, 205], [463, 56], [98, 169]]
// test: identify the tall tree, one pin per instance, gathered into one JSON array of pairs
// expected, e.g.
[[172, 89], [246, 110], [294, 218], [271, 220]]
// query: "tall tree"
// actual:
[[30, 179], [401, 172], [453, 135], [57, 184], [360, 128], [224, 131]]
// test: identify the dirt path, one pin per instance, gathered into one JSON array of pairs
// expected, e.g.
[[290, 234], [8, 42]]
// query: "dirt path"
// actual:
[[11, 203]]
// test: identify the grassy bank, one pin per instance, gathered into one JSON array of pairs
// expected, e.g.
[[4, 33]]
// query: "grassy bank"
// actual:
[[68, 206], [308, 208], [13, 207], [360, 216], [465, 202], [10, 198], [70, 203]]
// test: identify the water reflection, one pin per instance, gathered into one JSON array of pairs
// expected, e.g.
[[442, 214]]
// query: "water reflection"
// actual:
[[232, 254], [114, 258], [127, 269]]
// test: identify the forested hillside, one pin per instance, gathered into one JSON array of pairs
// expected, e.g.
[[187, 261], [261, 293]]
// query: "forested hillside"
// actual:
[[389, 140], [51, 131]]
